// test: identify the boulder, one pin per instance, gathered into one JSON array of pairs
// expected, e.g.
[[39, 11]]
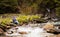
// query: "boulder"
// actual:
[[48, 26], [8, 27], [23, 32], [1, 31], [58, 35]]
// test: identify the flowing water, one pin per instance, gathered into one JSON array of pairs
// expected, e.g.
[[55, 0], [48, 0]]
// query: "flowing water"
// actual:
[[27, 32]]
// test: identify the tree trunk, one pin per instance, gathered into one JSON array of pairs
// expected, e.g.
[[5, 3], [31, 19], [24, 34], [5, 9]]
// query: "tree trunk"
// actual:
[[53, 13]]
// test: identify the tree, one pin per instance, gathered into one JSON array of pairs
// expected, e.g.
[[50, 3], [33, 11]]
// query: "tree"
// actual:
[[49, 6], [8, 5]]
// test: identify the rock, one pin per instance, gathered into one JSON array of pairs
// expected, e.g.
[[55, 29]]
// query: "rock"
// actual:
[[48, 26], [58, 35], [1, 31], [8, 27], [10, 32], [51, 29], [22, 32], [52, 36]]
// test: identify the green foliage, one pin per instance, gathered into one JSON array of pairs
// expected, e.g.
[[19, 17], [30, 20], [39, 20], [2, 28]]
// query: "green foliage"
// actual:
[[26, 6], [21, 19], [6, 21], [24, 18], [7, 4], [58, 11]]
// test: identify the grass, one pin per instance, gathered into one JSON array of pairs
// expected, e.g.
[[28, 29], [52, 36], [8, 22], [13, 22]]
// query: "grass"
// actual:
[[21, 18]]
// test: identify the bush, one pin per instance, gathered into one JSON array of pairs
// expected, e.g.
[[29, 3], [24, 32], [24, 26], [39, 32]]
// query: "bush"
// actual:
[[21, 19], [24, 18], [5, 21]]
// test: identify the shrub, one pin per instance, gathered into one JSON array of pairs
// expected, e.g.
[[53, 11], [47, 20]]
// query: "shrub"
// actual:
[[21, 19]]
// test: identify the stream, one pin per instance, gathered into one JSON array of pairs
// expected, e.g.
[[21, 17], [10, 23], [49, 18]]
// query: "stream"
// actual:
[[27, 31]]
